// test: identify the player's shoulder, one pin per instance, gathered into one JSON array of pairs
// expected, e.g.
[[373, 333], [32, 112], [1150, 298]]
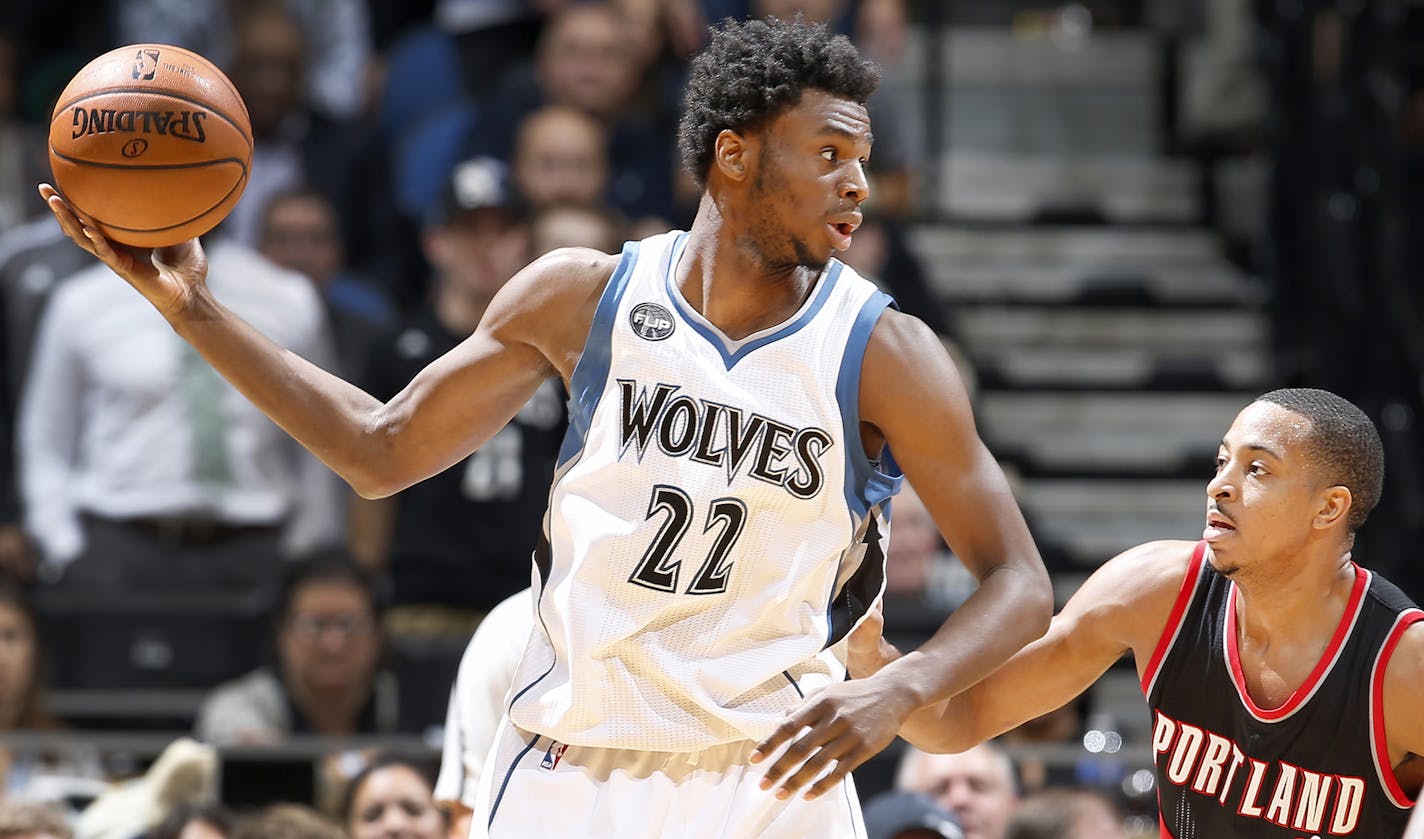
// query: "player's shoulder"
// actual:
[[1137, 589], [1153, 568], [565, 276]]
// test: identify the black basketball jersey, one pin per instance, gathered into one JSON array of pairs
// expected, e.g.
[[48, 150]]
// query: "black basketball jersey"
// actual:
[[1317, 766]]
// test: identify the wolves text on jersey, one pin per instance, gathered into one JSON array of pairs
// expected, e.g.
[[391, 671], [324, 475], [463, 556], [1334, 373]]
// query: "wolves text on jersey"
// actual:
[[1215, 766], [722, 436]]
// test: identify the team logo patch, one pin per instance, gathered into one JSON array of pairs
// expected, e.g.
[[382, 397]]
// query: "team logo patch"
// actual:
[[651, 321], [145, 65]]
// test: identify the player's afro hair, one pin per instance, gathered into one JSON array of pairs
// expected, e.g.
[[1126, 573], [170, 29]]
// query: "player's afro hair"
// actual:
[[1342, 443], [753, 70]]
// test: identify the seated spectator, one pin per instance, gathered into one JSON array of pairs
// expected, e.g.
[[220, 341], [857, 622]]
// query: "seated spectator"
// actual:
[[575, 226], [301, 232], [32, 820], [908, 815], [287, 821], [140, 468], [392, 797], [560, 157], [326, 679], [978, 786], [21, 665], [477, 703], [194, 821], [22, 707], [457, 544], [1060, 813]]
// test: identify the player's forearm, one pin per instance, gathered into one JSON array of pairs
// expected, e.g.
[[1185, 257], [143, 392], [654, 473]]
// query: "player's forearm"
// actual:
[[1010, 609], [335, 420]]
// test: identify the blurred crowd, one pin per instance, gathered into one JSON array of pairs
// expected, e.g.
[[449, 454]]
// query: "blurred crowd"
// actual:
[[158, 533]]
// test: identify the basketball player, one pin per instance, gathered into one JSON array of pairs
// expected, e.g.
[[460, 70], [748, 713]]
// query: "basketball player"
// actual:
[[720, 507], [1286, 682]]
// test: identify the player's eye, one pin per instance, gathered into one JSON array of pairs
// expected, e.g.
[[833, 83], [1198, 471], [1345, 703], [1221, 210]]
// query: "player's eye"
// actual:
[[1220, 462], [828, 155], [1256, 469]]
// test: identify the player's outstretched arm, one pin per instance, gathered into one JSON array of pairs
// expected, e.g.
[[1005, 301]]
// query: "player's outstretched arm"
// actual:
[[1121, 608], [535, 325], [912, 399]]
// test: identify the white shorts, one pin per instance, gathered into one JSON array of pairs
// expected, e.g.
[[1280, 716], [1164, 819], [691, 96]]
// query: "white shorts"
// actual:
[[534, 787]]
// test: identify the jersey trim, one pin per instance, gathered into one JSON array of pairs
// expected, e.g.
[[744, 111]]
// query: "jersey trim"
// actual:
[[1378, 746], [734, 351], [1185, 593], [591, 372], [509, 773], [1312, 683], [866, 485]]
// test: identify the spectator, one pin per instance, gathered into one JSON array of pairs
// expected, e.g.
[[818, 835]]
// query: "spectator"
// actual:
[[32, 820], [21, 665], [301, 232], [977, 786], [477, 702], [908, 815], [287, 821], [584, 62], [294, 145], [33, 257], [326, 679], [392, 799], [560, 157], [336, 34], [459, 543], [194, 821], [576, 226], [140, 468], [1061, 813]]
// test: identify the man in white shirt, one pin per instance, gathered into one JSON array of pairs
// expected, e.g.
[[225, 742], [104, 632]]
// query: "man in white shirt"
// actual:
[[135, 471]]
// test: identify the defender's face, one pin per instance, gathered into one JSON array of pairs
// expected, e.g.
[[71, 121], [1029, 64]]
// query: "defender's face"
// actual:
[[810, 178], [1265, 495]]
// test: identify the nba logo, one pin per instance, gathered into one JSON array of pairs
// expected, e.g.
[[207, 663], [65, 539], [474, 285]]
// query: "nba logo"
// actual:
[[650, 321], [145, 65]]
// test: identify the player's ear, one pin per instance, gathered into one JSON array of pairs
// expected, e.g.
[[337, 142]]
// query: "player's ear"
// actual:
[[1334, 507], [730, 154]]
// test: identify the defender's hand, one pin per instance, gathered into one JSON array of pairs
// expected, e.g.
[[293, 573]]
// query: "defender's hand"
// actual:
[[866, 650], [168, 277], [847, 723]]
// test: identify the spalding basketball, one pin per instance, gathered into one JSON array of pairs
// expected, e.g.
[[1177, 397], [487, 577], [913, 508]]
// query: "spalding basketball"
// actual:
[[152, 142]]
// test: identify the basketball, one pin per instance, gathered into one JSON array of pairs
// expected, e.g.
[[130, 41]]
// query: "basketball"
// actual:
[[152, 142]]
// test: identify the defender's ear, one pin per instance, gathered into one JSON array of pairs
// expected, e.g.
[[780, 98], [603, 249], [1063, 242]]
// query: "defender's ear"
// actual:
[[1334, 507]]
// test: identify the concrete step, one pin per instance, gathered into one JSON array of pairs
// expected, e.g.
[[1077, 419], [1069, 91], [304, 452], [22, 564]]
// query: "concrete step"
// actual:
[[1093, 520], [1102, 433], [1055, 265], [1070, 366], [1163, 332], [1005, 186]]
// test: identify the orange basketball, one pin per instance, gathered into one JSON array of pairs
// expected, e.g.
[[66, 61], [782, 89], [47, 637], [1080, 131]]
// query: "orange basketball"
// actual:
[[152, 142]]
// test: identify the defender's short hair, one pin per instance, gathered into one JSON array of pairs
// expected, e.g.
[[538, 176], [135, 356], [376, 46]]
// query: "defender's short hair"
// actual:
[[753, 70], [1343, 444]]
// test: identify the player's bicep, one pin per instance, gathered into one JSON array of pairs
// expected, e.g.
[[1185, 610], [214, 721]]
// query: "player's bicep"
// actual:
[[912, 393]]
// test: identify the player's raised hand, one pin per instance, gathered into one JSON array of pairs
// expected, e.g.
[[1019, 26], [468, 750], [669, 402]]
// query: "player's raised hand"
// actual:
[[846, 724], [166, 276]]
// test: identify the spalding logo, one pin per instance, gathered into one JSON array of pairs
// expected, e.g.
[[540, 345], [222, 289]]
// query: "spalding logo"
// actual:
[[145, 65], [134, 148], [185, 125], [651, 321]]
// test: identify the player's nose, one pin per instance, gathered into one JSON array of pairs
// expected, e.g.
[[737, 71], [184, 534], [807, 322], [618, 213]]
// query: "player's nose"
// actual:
[[855, 187]]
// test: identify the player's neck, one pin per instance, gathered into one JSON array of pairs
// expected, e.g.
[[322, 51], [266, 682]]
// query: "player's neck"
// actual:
[[1303, 600], [729, 284]]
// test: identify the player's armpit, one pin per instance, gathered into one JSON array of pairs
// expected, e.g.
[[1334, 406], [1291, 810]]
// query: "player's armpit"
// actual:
[[1121, 608]]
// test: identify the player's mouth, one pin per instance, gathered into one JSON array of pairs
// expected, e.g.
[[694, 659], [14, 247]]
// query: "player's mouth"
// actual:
[[841, 227], [1217, 526]]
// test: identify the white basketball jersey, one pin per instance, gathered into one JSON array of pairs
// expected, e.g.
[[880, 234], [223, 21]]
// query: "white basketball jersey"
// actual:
[[714, 521]]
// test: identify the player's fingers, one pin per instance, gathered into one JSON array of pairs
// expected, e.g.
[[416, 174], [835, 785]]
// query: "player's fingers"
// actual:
[[829, 781], [784, 732], [815, 766], [64, 214], [802, 748]]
